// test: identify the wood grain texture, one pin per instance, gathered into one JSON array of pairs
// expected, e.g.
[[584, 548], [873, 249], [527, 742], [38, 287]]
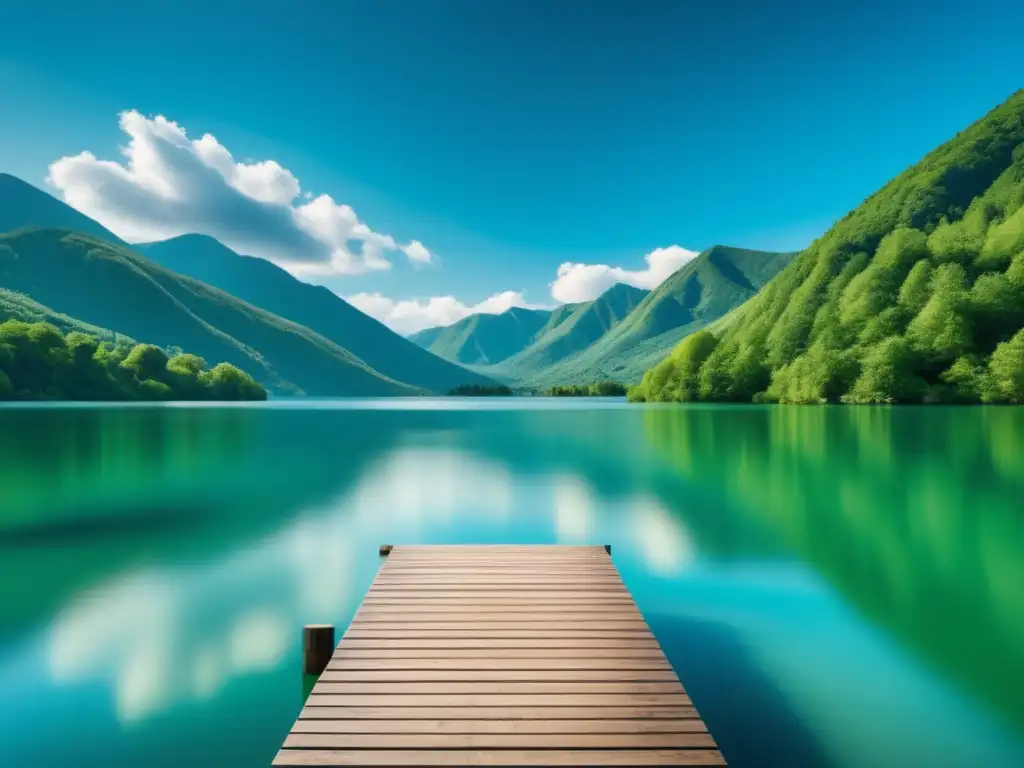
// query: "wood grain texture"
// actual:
[[503, 757], [677, 725], [498, 655]]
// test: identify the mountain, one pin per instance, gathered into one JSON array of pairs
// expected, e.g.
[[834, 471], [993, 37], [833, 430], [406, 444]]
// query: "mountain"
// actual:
[[917, 295], [570, 329], [22, 205], [701, 291], [111, 286], [263, 284], [637, 329], [484, 339]]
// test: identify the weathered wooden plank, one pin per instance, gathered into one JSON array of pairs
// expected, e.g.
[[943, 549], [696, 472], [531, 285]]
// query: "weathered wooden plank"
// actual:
[[499, 741], [528, 645], [486, 687], [503, 757], [539, 601], [314, 711], [526, 634], [458, 625], [498, 672], [501, 700], [474, 658], [689, 724], [489, 612]]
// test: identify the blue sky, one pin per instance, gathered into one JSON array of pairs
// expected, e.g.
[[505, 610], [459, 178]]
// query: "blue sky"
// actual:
[[508, 138]]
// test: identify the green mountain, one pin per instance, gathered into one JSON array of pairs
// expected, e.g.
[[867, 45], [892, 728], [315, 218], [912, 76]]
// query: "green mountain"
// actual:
[[484, 339], [263, 284], [111, 286], [917, 295], [22, 205], [701, 291], [569, 330]]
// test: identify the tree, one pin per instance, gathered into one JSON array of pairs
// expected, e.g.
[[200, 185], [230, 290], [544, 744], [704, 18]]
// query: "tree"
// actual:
[[226, 382], [941, 328], [184, 373], [888, 375], [147, 361], [1006, 372]]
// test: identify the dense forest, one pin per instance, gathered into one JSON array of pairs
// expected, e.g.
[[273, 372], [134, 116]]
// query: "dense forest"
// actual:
[[916, 296], [39, 362], [597, 389]]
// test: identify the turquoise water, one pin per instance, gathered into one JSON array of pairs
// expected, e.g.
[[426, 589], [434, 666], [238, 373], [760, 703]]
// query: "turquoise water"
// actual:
[[835, 587]]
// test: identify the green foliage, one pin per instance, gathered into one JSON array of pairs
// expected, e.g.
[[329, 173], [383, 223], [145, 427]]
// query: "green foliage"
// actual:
[[146, 361], [1006, 372], [915, 296], [478, 390], [676, 377], [941, 329], [888, 375], [38, 362], [596, 389], [226, 382]]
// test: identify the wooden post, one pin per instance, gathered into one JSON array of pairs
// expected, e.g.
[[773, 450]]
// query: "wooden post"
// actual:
[[385, 549], [608, 548], [317, 647]]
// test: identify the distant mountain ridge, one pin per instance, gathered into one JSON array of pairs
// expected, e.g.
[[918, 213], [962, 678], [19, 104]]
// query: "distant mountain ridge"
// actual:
[[571, 329], [484, 339], [623, 332], [270, 287]]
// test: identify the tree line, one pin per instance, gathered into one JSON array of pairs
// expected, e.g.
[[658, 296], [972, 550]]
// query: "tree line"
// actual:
[[38, 362]]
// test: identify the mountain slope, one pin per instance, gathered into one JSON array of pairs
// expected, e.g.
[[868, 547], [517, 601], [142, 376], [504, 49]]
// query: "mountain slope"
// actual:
[[17, 306], [266, 285], [917, 295], [23, 205], [571, 329], [113, 287], [484, 339], [701, 291]]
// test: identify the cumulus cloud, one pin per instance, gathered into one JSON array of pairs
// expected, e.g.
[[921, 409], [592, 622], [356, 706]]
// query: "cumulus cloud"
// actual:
[[412, 315], [169, 185], [584, 282]]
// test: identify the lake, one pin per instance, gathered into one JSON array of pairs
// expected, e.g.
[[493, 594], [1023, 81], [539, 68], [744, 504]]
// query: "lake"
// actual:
[[834, 586]]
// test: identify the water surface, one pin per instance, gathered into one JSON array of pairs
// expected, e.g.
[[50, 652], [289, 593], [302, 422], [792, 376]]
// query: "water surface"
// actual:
[[835, 586]]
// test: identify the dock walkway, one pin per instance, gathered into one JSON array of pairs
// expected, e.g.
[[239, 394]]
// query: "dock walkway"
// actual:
[[498, 655]]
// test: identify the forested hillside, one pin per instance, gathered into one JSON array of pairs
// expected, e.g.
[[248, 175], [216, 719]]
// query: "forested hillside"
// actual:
[[915, 296], [113, 287]]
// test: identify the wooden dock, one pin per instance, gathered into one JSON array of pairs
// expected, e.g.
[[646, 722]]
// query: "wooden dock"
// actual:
[[498, 655]]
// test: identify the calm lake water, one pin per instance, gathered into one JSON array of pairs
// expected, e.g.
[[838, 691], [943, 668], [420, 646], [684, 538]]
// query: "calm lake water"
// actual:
[[835, 587]]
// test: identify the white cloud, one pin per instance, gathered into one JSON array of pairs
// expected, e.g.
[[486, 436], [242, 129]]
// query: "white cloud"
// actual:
[[169, 185], [412, 315], [584, 282]]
